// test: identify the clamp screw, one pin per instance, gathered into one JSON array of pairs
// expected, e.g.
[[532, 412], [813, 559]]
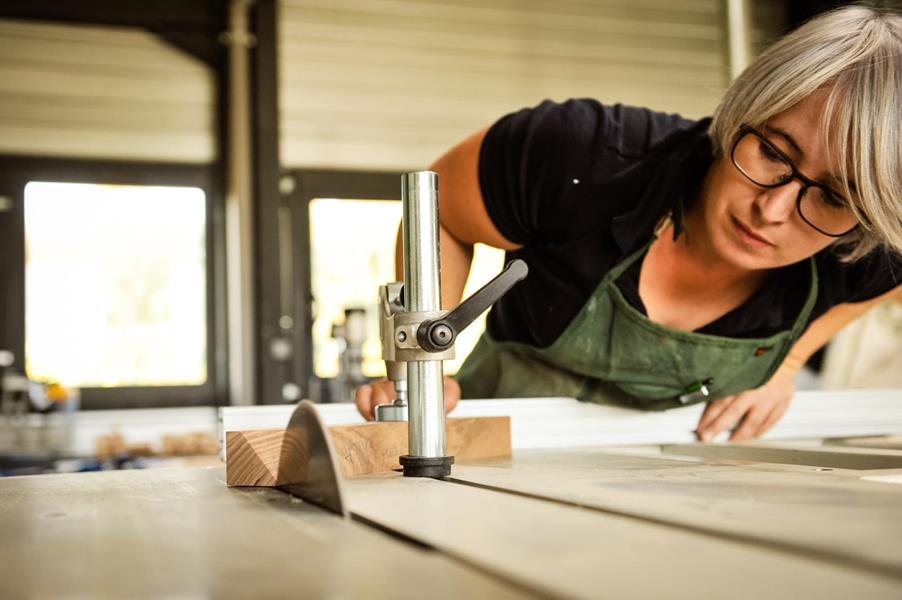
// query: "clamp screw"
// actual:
[[441, 335], [402, 336]]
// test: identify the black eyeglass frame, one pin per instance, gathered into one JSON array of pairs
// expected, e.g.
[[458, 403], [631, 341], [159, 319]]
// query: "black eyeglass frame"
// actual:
[[796, 174]]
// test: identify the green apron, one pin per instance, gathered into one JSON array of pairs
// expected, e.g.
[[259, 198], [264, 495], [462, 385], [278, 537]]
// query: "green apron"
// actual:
[[613, 354]]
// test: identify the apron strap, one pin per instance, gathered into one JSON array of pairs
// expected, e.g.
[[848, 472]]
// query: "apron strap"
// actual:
[[625, 264], [801, 321]]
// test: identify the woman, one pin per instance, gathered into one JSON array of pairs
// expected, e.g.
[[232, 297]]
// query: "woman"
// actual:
[[673, 261]]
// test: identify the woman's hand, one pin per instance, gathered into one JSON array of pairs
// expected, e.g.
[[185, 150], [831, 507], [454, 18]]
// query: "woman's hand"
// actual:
[[383, 392], [756, 410]]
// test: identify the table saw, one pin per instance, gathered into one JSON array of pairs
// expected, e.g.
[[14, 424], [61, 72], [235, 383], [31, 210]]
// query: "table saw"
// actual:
[[586, 501], [782, 518]]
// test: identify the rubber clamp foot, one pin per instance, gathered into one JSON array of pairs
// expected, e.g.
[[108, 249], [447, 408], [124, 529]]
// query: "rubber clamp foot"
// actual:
[[423, 466]]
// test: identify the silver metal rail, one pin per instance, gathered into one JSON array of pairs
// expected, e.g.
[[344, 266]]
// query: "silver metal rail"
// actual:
[[422, 293]]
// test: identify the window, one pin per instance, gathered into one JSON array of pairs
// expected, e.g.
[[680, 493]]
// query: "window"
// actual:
[[352, 253], [114, 279], [115, 285]]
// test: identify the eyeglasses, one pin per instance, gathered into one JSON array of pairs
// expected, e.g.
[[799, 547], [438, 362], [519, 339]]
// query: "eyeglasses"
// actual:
[[764, 164]]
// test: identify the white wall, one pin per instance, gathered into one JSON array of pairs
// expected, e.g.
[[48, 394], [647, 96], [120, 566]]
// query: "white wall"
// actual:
[[102, 92], [394, 83], [384, 84]]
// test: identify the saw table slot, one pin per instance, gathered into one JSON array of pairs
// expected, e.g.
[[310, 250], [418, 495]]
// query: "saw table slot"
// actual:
[[817, 513], [565, 551]]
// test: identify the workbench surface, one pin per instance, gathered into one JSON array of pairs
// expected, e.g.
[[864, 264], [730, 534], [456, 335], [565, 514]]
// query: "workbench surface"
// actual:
[[181, 533], [586, 523]]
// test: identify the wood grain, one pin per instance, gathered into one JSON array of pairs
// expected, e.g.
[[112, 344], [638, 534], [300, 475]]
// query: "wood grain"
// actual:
[[816, 511], [180, 533], [562, 551], [253, 456]]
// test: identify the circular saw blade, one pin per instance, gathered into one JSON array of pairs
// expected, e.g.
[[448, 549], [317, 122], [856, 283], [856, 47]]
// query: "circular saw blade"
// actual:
[[307, 461]]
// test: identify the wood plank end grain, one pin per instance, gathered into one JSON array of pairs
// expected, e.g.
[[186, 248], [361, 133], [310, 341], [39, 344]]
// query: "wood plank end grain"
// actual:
[[252, 457]]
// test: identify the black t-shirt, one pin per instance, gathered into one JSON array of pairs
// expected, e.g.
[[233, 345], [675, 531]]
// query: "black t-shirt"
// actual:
[[581, 185]]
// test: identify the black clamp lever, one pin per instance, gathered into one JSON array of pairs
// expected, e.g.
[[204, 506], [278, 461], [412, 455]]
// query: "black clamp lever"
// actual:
[[437, 335]]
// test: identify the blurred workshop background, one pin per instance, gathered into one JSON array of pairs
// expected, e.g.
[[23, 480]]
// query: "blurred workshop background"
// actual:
[[199, 198]]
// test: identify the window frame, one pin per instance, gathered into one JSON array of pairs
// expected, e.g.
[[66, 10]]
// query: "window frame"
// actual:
[[311, 184], [17, 171]]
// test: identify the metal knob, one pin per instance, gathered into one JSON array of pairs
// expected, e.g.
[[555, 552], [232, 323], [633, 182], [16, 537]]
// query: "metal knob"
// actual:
[[438, 334]]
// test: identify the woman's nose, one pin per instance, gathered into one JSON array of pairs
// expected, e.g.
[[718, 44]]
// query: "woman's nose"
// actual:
[[776, 205]]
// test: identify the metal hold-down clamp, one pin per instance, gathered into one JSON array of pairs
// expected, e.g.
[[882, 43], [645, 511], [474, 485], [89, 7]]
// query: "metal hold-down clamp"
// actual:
[[417, 335], [437, 335]]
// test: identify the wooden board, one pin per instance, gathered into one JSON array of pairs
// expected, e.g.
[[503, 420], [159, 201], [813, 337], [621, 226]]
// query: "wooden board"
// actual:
[[567, 423], [565, 551], [831, 514], [180, 533], [253, 456]]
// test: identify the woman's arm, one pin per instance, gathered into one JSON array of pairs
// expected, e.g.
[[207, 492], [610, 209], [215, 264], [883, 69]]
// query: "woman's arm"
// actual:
[[463, 221], [463, 218], [760, 409], [827, 326]]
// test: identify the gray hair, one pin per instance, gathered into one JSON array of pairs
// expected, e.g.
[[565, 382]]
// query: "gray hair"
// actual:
[[856, 52]]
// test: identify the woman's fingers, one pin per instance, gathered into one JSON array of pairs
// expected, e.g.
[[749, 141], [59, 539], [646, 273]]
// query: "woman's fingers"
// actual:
[[768, 405], [363, 400], [452, 393], [751, 423], [773, 418], [712, 411], [735, 407], [369, 396]]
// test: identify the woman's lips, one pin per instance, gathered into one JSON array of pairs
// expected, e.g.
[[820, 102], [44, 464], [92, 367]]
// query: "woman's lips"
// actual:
[[750, 236]]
